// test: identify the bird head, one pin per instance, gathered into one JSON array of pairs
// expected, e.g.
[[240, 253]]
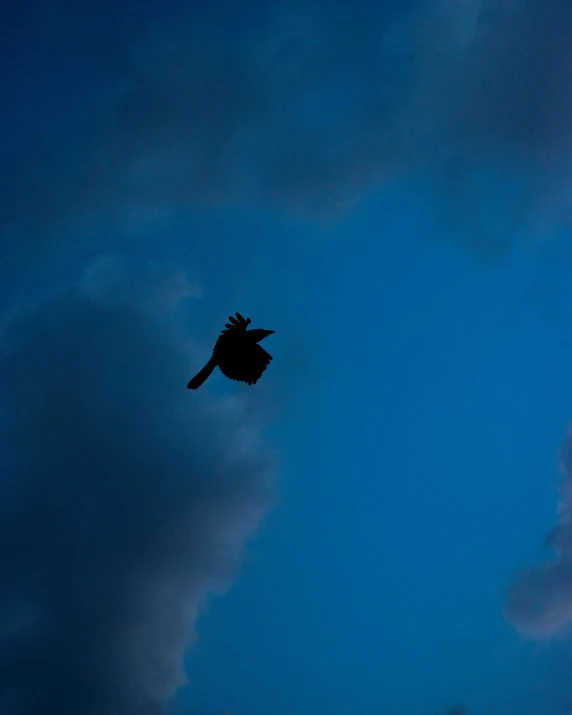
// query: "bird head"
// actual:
[[259, 334]]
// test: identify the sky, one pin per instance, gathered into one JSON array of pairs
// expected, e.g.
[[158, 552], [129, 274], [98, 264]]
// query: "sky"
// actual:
[[383, 523]]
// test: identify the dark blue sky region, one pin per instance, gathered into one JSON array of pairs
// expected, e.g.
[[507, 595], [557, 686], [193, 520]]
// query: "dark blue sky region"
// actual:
[[382, 523]]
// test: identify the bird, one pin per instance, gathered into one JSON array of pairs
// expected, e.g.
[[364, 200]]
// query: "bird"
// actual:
[[237, 353]]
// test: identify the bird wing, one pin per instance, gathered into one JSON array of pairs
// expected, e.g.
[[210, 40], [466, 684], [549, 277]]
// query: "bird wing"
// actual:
[[236, 324], [248, 366]]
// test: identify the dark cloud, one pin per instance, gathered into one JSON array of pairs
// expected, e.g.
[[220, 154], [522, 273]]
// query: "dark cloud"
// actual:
[[311, 107], [125, 499], [539, 601]]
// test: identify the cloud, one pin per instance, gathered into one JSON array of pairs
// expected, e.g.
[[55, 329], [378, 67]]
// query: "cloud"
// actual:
[[539, 601], [125, 499], [310, 107]]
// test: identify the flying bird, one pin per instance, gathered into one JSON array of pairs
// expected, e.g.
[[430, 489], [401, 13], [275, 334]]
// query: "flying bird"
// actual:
[[237, 353]]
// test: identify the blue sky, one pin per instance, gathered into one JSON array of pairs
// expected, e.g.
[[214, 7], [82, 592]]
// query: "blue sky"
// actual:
[[393, 539], [362, 531]]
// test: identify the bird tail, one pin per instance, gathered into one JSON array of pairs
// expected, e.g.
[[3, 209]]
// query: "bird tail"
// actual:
[[202, 375]]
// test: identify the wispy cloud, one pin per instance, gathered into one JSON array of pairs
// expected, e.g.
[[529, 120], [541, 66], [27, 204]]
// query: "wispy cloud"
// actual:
[[539, 601], [311, 107]]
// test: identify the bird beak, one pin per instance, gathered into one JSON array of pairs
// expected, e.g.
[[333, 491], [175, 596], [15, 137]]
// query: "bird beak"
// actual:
[[259, 334], [265, 333]]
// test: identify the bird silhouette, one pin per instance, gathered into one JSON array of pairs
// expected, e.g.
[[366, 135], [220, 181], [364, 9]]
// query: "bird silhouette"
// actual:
[[237, 354]]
